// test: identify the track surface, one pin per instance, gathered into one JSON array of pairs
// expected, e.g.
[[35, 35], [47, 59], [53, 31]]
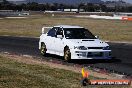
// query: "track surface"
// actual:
[[29, 46]]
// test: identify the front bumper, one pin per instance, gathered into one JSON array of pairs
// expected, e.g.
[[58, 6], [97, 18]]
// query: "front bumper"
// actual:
[[90, 54]]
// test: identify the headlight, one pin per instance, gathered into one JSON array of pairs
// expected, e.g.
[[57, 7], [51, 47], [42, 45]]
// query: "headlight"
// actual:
[[80, 47], [106, 48]]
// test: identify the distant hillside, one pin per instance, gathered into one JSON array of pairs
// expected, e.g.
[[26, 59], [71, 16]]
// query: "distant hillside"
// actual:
[[113, 4], [66, 1]]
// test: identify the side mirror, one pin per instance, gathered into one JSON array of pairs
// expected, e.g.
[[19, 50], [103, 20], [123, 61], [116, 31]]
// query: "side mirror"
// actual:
[[60, 36], [97, 36]]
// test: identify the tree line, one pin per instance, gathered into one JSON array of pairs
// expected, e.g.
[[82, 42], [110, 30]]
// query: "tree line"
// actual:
[[88, 7]]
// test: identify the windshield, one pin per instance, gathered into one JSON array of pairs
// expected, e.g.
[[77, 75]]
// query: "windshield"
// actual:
[[78, 33]]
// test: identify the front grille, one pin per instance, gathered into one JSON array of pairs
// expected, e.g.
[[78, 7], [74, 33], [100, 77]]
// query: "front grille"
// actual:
[[95, 54], [95, 47]]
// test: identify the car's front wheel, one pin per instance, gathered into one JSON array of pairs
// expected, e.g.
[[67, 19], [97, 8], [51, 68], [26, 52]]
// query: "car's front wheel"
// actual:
[[67, 54], [43, 49]]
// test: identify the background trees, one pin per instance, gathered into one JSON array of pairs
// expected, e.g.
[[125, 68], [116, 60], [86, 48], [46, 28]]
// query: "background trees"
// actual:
[[90, 7]]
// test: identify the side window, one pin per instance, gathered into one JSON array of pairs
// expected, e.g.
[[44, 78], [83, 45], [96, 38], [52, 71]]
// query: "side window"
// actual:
[[59, 32], [52, 32]]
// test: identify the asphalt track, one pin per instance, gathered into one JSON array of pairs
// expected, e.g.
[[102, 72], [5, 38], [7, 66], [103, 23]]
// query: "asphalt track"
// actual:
[[122, 63]]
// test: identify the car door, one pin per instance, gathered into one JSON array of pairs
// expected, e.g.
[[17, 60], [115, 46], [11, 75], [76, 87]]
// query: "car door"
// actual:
[[51, 35], [58, 42]]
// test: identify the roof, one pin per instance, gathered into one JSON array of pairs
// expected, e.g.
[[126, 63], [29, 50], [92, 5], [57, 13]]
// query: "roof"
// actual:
[[68, 26]]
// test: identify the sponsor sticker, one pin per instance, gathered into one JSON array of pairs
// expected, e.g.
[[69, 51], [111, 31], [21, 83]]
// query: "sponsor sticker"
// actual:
[[86, 81]]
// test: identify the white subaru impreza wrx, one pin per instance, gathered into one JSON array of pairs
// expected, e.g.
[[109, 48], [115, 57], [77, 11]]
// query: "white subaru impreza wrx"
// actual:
[[73, 42]]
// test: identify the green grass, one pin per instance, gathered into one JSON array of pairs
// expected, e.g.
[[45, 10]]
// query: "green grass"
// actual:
[[20, 75], [14, 74], [113, 30]]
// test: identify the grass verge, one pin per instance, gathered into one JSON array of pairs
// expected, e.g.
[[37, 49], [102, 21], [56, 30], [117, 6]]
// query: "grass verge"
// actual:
[[19, 75], [113, 30], [15, 74]]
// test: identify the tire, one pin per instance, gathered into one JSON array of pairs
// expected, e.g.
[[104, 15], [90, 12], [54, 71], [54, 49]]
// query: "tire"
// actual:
[[67, 54], [43, 49]]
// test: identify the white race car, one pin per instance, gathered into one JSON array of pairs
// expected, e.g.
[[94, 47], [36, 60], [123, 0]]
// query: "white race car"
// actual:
[[73, 42]]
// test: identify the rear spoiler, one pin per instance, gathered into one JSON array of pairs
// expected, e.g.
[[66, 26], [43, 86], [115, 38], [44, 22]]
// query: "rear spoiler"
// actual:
[[44, 29]]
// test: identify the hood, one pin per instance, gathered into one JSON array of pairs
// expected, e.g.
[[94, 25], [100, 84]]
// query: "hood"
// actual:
[[87, 42]]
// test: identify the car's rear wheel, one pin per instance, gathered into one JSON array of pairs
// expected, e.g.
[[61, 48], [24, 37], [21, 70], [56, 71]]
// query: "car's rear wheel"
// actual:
[[43, 49], [67, 54]]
